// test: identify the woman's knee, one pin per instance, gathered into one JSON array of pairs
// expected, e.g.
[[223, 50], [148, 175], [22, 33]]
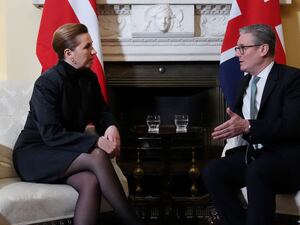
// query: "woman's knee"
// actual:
[[85, 182], [90, 180], [99, 157]]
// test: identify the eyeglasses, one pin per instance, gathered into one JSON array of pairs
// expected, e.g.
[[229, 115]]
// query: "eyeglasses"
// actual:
[[241, 48]]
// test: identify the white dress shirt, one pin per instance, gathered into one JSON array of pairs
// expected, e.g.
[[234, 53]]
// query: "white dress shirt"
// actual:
[[238, 140]]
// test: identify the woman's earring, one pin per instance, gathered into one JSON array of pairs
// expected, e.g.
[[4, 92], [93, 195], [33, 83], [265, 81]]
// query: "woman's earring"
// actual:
[[73, 60]]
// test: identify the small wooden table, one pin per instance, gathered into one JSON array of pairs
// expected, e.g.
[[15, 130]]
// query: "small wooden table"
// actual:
[[177, 153]]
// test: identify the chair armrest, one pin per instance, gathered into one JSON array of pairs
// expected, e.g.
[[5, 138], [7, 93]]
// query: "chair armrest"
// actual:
[[6, 165]]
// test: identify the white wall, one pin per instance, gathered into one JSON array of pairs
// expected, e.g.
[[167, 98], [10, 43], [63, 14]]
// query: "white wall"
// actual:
[[2, 41], [19, 22]]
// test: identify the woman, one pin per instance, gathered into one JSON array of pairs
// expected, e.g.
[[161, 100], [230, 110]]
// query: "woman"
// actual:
[[53, 148]]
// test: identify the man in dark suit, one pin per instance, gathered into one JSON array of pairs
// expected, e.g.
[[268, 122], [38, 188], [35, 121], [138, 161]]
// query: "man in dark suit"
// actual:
[[263, 135]]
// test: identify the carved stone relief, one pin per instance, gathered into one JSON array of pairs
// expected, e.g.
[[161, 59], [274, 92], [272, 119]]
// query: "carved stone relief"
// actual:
[[141, 30], [114, 21], [115, 26], [212, 19], [155, 32], [162, 20]]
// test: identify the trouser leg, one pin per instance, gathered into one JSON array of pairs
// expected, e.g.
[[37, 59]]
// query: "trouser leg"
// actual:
[[223, 178], [269, 174]]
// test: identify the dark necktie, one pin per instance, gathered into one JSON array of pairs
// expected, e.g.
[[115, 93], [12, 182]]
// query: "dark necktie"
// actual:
[[253, 108], [253, 114]]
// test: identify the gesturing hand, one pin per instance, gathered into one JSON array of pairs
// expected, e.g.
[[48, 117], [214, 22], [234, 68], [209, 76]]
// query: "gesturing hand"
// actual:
[[236, 125]]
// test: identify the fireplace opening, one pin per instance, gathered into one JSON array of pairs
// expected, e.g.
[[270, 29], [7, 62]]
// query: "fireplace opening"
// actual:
[[165, 88], [137, 89], [132, 105]]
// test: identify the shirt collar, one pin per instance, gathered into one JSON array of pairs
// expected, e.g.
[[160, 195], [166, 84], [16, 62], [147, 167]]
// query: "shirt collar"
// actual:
[[266, 71]]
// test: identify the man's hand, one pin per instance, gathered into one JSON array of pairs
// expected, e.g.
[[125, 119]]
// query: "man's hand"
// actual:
[[112, 134], [235, 126]]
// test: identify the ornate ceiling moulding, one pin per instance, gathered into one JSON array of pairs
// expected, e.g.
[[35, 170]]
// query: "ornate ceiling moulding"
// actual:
[[144, 30]]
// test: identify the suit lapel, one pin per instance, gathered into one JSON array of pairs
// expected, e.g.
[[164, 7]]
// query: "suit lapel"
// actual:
[[240, 94], [270, 85]]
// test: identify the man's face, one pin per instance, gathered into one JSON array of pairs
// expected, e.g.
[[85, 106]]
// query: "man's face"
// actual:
[[249, 54]]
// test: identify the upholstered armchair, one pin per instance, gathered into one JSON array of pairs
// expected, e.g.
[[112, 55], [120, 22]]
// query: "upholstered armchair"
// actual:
[[24, 202]]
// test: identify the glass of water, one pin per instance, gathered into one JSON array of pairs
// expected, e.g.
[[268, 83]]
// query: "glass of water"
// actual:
[[181, 122], [153, 122]]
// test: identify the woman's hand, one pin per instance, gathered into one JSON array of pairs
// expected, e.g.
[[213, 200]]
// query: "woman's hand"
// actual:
[[112, 134], [106, 145]]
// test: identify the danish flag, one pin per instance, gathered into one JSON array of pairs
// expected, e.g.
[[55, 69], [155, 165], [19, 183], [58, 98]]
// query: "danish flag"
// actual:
[[59, 12], [244, 13]]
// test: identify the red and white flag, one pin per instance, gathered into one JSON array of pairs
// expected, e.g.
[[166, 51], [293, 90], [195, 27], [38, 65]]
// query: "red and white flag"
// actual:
[[244, 13], [59, 12]]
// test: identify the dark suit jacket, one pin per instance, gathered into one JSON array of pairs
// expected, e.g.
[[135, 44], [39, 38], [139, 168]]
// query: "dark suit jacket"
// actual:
[[278, 121]]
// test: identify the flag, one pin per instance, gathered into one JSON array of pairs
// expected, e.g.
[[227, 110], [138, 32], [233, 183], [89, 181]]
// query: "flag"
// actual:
[[244, 13], [59, 12]]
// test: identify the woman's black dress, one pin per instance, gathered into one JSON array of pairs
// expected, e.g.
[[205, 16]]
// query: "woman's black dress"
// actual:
[[64, 101]]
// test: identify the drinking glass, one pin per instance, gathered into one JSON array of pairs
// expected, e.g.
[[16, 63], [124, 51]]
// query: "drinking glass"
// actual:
[[181, 122], [153, 122]]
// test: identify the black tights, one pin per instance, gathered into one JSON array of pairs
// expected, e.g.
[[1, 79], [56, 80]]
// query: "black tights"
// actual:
[[88, 203], [91, 174]]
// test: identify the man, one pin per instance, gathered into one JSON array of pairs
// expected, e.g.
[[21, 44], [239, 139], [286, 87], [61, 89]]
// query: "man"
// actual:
[[263, 131]]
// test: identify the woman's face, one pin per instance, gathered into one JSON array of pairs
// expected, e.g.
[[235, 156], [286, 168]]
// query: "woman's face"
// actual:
[[83, 54], [163, 20]]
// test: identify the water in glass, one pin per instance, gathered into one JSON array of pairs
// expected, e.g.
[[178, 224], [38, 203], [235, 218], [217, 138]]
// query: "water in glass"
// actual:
[[153, 122], [181, 122]]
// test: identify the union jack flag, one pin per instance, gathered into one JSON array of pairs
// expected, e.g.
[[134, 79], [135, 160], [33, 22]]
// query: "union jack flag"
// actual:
[[244, 13]]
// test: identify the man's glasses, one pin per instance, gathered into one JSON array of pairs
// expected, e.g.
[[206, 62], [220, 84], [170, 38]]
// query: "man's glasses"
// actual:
[[241, 48]]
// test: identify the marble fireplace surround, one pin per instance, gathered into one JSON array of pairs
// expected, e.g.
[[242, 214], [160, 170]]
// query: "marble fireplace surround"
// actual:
[[162, 30]]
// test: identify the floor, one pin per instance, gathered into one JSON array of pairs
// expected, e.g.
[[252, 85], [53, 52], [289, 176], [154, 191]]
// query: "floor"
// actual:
[[111, 219], [115, 221]]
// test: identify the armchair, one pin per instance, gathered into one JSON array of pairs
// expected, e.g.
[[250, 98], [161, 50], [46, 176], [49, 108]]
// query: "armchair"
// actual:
[[23, 202]]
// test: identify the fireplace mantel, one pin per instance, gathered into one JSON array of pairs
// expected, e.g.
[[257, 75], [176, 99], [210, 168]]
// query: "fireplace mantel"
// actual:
[[139, 2], [133, 30]]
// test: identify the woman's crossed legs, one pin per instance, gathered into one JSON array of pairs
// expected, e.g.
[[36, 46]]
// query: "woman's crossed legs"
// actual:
[[93, 174]]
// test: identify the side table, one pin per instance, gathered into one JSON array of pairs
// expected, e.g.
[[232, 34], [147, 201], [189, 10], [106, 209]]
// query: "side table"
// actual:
[[170, 154]]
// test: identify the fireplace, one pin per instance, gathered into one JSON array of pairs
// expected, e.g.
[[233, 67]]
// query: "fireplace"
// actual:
[[165, 71], [137, 89], [166, 88]]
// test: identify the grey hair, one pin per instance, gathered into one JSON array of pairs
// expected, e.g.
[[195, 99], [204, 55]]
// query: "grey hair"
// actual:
[[263, 34]]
